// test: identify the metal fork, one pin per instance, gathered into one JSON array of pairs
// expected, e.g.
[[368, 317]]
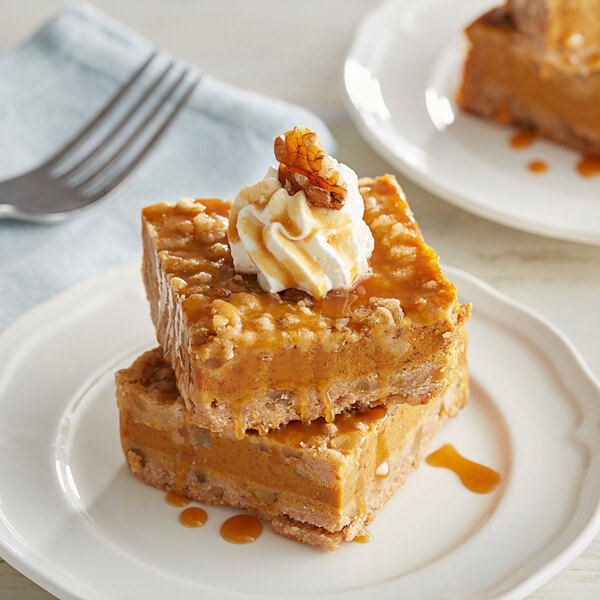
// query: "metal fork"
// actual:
[[58, 188]]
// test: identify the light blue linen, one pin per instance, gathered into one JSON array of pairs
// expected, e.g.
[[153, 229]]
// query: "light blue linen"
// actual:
[[52, 85]]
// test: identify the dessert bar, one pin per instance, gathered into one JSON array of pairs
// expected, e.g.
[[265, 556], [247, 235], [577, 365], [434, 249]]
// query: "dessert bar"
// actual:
[[565, 32], [318, 483], [509, 80], [247, 359]]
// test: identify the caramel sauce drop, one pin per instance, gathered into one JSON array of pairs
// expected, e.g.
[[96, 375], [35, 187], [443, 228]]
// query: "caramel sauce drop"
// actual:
[[175, 499], [241, 529], [363, 538], [475, 477], [537, 166], [193, 517], [589, 166], [522, 139]]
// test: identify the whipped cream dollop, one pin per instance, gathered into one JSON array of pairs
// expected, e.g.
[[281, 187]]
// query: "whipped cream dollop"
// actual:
[[291, 243]]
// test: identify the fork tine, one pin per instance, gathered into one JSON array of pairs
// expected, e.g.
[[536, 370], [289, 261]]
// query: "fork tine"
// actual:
[[115, 181], [52, 161], [109, 162], [122, 122]]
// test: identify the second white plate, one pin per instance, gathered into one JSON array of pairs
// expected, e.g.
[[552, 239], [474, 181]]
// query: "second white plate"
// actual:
[[400, 77]]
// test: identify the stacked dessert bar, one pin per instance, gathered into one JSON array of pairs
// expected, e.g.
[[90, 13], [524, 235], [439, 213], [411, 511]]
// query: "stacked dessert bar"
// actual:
[[536, 63], [306, 410]]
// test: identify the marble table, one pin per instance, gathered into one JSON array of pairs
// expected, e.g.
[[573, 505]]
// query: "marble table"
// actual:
[[295, 51]]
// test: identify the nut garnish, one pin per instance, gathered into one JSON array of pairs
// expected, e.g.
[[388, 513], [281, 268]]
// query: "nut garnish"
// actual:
[[304, 165]]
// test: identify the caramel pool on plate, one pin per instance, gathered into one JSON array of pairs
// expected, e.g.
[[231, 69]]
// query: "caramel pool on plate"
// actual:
[[522, 139], [241, 529], [589, 166], [475, 477], [538, 166], [193, 517]]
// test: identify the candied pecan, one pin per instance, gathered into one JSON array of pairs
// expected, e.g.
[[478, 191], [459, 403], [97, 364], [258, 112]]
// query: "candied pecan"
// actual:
[[303, 166]]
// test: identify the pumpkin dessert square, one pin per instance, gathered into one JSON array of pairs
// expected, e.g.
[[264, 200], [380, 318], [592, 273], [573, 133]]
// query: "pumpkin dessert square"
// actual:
[[311, 294], [521, 69], [319, 483]]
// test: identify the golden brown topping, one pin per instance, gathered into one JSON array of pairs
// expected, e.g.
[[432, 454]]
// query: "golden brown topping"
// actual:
[[304, 165]]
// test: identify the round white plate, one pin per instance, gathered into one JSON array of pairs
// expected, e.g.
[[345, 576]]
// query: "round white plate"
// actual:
[[74, 520], [400, 78]]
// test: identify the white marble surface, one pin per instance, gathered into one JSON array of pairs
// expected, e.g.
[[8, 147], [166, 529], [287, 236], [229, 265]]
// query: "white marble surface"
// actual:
[[295, 51]]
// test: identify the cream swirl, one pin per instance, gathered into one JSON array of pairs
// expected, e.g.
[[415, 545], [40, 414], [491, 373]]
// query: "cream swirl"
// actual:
[[290, 243]]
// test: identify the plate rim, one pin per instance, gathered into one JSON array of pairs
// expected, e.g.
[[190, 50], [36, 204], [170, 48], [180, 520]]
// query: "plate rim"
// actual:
[[51, 580], [372, 134]]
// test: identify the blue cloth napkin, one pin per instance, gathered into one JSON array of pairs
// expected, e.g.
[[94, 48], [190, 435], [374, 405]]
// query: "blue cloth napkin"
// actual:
[[52, 85]]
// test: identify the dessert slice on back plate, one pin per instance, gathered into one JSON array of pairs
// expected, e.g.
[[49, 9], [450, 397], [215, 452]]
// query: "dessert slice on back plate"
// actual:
[[536, 63], [287, 305], [318, 483], [564, 32]]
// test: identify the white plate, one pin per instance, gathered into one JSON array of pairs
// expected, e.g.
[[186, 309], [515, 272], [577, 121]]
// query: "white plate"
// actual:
[[400, 77], [74, 520]]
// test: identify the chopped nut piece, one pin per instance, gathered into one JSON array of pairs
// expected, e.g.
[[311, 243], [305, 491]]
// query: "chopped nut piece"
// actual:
[[200, 476], [264, 495], [217, 491], [202, 437], [346, 442], [306, 166], [218, 291], [296, 295], [383, 470], [219, 321], [135, 459], [178, 284]]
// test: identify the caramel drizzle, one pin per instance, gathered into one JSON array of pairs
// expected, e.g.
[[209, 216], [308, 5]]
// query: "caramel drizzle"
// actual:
[[298, 434], [323, 386], [303, 396], [474, 476], [175, 499], [239, 423]]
